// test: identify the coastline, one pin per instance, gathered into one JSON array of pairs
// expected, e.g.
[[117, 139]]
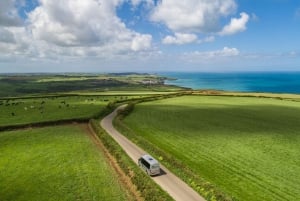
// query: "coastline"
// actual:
[[252, 82]]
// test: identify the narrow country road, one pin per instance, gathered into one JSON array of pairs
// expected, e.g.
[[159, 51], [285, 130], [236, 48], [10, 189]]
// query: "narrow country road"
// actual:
[[176, 188]]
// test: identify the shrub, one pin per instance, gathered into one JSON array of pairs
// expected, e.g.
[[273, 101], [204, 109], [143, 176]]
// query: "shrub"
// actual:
[[126, 111]]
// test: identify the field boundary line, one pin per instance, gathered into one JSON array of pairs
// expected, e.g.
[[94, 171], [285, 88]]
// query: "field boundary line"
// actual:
[[43, 124]]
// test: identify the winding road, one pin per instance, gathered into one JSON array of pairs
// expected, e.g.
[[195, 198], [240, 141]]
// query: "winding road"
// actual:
[[176, 188]]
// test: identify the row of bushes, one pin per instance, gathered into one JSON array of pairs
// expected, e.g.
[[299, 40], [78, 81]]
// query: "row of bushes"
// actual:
[[106, 110], [38, 96], [149, 190], [155, 97], [207, 190], [239, 94], [126, 111], [57, 96], [44, 124]]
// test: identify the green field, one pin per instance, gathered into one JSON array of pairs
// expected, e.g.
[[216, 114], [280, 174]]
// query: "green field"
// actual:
[[32, 110], [55, 163], [248, 147]]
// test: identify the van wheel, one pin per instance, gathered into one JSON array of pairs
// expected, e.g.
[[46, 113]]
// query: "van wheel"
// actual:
[[148, 173]]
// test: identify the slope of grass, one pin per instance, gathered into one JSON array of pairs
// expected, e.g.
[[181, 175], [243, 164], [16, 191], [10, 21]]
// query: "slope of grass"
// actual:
[[55, 163], [248, 147]]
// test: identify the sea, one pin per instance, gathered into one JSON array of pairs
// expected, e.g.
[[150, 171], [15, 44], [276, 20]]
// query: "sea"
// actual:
[[271, 82]]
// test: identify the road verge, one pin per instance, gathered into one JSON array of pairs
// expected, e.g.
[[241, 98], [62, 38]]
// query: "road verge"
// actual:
[[148, 188]]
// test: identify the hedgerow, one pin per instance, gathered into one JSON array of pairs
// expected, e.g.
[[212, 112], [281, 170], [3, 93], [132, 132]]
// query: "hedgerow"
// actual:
[[44, 124], [106, 110]]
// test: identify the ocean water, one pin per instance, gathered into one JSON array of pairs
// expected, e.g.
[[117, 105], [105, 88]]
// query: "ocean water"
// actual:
[[272, 82]]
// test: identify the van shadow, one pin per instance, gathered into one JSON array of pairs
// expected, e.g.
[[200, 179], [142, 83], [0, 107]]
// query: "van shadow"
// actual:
[[162, 172]]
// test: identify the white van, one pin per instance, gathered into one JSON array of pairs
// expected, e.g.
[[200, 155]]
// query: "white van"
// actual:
[[149, 164]]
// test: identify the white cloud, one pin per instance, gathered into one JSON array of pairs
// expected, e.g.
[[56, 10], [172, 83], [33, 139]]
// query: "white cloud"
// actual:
[[14, 41], [201, 16], [236, 25], [208, 55], [180, 39], [195, 17], [72, 28], [228, 52], [9, 14], [6, 36], [79, 23], [141, 42]]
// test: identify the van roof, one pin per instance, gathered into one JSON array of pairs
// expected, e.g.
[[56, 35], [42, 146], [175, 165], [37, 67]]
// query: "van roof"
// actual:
[[150, 159]]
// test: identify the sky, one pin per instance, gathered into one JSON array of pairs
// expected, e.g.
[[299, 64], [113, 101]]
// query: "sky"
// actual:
[[149, 35]]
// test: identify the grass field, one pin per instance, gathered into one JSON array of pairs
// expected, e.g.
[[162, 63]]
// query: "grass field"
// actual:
[[247, 147], [22, 111], [55, 163]]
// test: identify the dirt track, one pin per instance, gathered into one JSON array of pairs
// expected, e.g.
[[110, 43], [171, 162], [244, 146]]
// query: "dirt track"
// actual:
[[177, 189]]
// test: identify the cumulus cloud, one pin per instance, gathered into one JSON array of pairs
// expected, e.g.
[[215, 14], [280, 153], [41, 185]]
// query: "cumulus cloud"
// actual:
[[72, 28], [14, 41], [196, 17], [201, 16], [6, 36], [63, 29], [180, 38], [141, 42], [12, 30], [9, 14], [236, 25], [227, 52], [81, 23]]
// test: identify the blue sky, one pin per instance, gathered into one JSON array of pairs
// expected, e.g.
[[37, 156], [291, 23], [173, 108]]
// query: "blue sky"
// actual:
[[149, 35]]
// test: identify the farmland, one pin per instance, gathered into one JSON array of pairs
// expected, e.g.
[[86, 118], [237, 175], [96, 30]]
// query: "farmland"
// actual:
[[248, 147], [55, 163], [16, 85], [32, 110], [61, 162]]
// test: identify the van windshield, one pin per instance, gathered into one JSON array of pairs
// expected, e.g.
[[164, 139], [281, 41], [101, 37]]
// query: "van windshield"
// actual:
[[155, 166]]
